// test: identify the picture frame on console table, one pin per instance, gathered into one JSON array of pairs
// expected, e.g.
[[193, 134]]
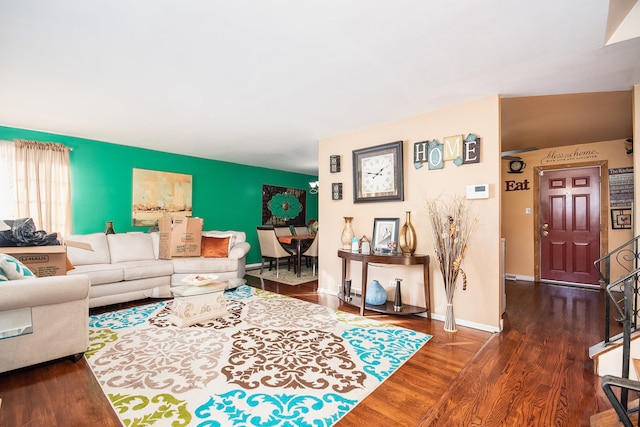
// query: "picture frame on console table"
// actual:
[[385, 236]]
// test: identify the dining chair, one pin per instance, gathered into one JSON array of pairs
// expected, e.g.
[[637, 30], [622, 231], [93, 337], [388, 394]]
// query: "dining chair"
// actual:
[[271, 249], [312, 253], [285, 232], [301, 231], [282, 231]]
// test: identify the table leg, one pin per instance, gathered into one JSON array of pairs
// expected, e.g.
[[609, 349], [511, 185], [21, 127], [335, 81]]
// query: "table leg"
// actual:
[[427, 290], [299, 258], [344, 275], [365, 268]]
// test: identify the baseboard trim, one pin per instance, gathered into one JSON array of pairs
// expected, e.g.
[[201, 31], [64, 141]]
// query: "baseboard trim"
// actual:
[[434, 316], [520, 277]]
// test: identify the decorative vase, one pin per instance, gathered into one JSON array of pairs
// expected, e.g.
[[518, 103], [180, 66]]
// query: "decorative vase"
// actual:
[[347, 233], [108, 229], [449, 320], [376, 295], [347, 290], [407, 236], [397, 302]]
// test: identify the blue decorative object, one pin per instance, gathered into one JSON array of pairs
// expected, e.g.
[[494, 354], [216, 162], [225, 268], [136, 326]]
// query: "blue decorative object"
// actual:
[[376, 295]]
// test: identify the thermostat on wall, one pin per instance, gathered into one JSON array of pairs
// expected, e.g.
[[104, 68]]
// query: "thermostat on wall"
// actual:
[[478, 191]]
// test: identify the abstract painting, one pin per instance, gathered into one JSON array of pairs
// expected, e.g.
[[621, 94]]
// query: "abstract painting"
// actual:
[[157, 193]]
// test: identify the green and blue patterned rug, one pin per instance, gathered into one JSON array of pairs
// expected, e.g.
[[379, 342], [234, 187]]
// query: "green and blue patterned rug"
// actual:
[[273, 361]]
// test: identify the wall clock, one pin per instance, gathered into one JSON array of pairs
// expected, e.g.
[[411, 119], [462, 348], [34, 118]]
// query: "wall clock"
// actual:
[[516, 166], [377, 173]]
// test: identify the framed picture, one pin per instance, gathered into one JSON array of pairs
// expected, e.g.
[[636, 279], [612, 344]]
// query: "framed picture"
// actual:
[[377, 173], [334, 163], [385, 235], [620, 218], [157, 193], [283, 205], [336, 191]]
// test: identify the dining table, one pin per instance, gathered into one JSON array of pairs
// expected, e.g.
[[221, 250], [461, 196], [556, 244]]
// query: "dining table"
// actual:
[[300, 241]]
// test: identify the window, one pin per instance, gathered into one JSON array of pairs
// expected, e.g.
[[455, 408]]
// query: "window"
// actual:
[[37, 181]]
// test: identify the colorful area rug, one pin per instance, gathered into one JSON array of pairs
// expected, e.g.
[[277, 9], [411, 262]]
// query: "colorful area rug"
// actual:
[[285, 276], [273, 361]]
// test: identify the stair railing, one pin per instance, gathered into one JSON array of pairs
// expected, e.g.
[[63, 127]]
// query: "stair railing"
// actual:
[[626, 256], [623, 292]]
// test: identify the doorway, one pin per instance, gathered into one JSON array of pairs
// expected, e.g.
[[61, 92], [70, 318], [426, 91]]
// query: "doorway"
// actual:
[[570, 222]]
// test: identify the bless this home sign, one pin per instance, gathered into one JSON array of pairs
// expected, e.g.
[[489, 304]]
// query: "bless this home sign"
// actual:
[[459, 150]]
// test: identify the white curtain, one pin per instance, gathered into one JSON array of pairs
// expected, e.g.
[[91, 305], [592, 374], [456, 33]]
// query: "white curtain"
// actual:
[[42, 185], [9, 205]]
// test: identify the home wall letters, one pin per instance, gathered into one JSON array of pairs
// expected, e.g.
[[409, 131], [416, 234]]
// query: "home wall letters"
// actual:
[[454, 148]]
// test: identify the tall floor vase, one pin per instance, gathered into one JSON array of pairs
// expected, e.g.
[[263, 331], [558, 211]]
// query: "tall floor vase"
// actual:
[[450, 319]]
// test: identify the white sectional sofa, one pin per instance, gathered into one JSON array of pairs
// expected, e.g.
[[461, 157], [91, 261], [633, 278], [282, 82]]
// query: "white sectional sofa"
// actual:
[[125, 266]]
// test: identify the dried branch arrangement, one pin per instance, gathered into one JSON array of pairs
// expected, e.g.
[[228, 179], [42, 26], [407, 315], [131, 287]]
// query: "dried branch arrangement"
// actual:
[[451, 224]]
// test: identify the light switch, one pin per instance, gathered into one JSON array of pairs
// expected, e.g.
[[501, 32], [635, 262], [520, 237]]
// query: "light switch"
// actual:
[[527, 211]]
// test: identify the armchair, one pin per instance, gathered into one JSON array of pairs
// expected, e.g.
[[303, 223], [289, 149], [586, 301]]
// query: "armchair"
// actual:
[[59, 307]]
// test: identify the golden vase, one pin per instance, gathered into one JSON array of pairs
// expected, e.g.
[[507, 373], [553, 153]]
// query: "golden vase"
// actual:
[[407, 238], [347, 233]]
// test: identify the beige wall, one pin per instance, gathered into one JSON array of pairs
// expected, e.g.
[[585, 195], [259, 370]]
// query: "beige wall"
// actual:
[[518, 227], [478, 306]]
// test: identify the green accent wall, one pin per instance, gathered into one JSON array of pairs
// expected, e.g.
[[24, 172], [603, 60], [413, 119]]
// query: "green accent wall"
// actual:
[[228, 196]]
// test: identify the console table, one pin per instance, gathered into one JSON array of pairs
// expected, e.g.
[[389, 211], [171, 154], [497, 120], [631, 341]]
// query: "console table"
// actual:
[[365, 259]]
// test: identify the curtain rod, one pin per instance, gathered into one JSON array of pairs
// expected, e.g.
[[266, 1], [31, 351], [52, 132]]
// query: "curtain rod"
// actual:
[[38, 144]]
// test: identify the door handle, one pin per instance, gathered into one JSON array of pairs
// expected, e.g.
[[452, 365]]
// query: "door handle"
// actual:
[[545, 233], [545, 226]]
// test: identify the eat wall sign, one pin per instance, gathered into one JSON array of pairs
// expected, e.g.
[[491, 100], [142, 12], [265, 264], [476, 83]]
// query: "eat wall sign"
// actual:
[[459, 150]]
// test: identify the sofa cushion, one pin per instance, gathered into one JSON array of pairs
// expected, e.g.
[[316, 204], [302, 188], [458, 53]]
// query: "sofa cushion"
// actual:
[[125, 247], [99, 274], [204, 265], [238, 236], [239, 250], [155, 239], [98, 255], [12, 269], [134, 270], [215, 247]]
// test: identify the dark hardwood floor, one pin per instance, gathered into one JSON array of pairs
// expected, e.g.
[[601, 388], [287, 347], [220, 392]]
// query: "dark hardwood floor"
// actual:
[[535, 373]]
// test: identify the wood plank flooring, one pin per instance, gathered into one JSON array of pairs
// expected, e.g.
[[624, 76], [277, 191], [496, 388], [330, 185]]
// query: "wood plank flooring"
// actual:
[[536, 372]]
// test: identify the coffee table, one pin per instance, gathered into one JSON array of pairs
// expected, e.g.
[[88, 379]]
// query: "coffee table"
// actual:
[[196, 304]]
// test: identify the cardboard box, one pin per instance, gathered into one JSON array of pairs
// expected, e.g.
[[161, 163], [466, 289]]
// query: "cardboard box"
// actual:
[[41, 260], [179, 236]]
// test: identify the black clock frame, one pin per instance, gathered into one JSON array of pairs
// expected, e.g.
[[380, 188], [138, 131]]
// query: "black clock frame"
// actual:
[[398, 193]]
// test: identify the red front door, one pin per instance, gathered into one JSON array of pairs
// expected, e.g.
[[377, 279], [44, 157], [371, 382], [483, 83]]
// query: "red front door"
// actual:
[[570, 225]]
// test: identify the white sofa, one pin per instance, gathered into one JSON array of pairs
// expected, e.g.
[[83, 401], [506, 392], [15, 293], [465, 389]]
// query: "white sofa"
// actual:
[[125, 266], [58, 310]]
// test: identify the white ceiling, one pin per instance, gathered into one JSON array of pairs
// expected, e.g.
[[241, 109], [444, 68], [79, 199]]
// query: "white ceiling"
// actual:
[[261, 82]]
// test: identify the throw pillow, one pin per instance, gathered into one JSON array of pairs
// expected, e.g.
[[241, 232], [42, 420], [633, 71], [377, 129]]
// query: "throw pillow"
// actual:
[[215, 247], [13, 269], [231, 236], [70, 265]]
